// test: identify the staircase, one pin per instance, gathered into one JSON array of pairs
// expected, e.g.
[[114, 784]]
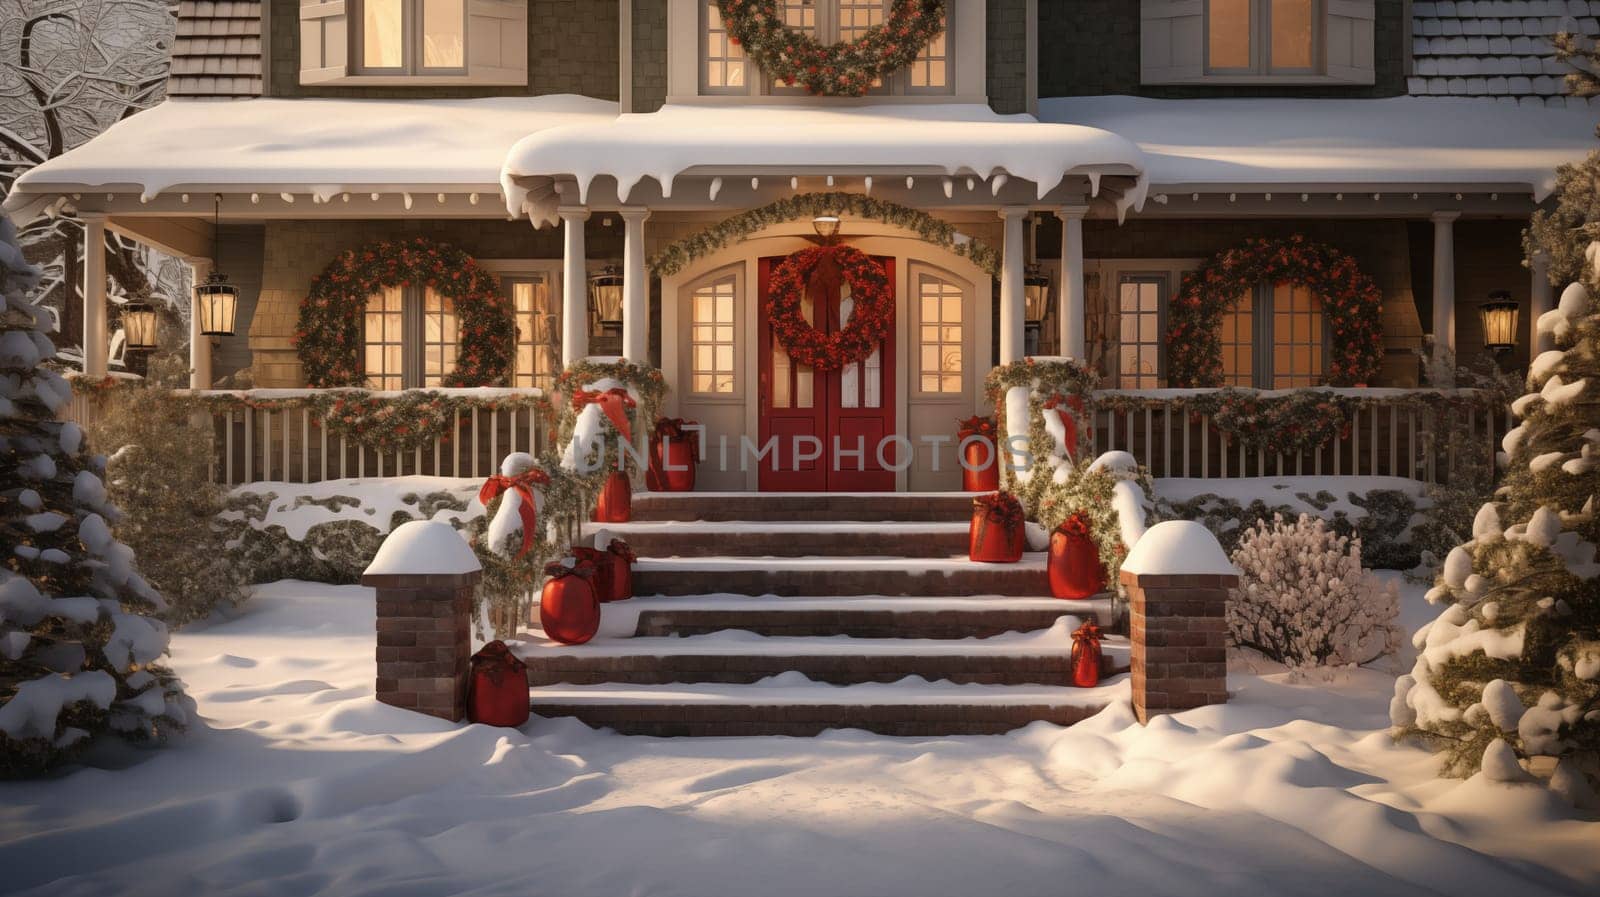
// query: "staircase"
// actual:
[[790, 614]]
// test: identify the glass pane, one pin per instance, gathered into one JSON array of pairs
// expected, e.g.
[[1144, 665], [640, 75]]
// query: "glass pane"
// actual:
[[724, 359], [725, 307], [703, 358], [930, 306], [803, 388], [444, 24], [1130, 297], [930, 382], [952, 335], [383, 33], [725, 334], [704, 308], [930, 333], [1291, 33], [703, 382], [952, 361], [952, 309], [1229, 40], [930, 358]]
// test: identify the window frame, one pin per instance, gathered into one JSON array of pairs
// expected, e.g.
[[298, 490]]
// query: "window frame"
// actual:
[[743, 319], [411, 12], [1163, 300], [1261, 44], [1263, 349], [413, 339], [919, 275]]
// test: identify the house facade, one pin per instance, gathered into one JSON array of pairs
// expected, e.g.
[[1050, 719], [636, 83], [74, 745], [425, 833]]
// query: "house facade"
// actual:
[[1036, 182]]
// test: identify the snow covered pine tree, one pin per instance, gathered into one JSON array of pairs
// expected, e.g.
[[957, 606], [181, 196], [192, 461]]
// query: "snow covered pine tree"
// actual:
[[1510, 671], [79, 642]]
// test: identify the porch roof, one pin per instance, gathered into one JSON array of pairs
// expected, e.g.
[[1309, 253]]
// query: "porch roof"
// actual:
[[1411, 142], [899, 140], [320, 146]]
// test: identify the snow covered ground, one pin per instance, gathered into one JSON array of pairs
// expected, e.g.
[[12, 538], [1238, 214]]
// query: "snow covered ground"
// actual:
[[298, 783]]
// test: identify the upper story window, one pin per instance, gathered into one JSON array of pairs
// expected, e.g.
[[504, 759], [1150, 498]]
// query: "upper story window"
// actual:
[[1257, 42], [726, 71], [414, 42]]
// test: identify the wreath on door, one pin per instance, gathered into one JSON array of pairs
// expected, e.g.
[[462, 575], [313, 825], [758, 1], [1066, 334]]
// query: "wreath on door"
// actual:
[[845, 69], [1351, 307], [329, 338], [871, 317]]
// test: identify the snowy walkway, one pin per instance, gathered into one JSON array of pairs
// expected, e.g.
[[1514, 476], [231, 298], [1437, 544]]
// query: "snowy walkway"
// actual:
[[302, 785]]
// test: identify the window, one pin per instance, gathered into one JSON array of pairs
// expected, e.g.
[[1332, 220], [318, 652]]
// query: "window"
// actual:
[[406, 36], [724, 69], [1274, 339], [711, 338], [414, 42], [1257, 41], [1239, 343], [941, 343], [538, 337], [411, 337], [1140, 300], [1261, 36]]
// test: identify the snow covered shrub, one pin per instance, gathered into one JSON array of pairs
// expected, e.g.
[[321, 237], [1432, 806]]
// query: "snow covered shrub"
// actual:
[[1384, 525], [1304, 600], [1510, 669], [158, 473], [80, 644]]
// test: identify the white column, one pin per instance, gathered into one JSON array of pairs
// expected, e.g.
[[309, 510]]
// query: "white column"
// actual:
[[635, 288], [95, 337], [1541, 300], [1444, 283], [1013, 312], [574, 286], [1071, 312], [199, 343]]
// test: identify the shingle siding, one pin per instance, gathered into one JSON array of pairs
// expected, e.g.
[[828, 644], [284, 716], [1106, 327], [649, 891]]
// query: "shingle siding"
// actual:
[[1006, 31], [1495, 48], [649, 55], [217, 51]]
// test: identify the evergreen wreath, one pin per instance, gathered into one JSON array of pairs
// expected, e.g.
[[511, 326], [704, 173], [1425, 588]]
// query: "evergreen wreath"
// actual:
[[845, 69], [870, 321], [1351, 306], [328, 336]]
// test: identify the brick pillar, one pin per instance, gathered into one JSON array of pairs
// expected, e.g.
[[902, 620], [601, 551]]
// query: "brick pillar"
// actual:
[[1178, 627], [424, 641]]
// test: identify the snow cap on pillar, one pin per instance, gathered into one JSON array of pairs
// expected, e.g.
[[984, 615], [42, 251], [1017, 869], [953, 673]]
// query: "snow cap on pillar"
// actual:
[[424, 548], [1178, 548]]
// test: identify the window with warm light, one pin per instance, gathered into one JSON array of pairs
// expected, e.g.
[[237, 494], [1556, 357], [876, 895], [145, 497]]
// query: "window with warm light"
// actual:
[[1261, 36], [411, 336], [942, 360], [411, 36], [1274, 337], [1140, 301], [1277, 42], [711, 337], [385, 339], [1239, 343], [538, 336]]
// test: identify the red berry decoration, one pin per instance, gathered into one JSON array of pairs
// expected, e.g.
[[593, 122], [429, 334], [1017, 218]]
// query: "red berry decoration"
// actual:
[[870, 322]]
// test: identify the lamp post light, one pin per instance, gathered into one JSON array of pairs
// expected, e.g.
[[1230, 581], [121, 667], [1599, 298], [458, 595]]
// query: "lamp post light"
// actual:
[[1499, 316], [1036, 306]]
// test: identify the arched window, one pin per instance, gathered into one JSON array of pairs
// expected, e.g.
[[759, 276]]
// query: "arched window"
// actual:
[[711, 337], [411, 336], [941, 336]]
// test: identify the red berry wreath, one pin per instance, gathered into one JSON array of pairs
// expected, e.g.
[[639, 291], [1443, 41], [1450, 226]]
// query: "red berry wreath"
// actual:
[[870, 321]]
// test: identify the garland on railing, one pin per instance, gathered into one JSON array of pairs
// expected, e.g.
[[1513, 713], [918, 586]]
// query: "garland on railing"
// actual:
[[684, 252], [1351, 306], [847, 68], [1288, 423]]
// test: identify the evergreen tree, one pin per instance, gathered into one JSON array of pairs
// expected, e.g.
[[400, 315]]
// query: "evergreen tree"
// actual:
[[79, 643], [1511, 669], [1563, 231]]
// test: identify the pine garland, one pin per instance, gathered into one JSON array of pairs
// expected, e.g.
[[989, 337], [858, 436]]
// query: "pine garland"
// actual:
[[846, 69], [686, 251], [1351, 306]]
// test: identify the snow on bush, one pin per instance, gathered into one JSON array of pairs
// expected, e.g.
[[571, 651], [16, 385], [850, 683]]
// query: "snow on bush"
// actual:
[[1304, 600]]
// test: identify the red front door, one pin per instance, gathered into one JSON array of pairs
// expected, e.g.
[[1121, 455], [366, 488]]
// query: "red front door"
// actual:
[[828, 425]]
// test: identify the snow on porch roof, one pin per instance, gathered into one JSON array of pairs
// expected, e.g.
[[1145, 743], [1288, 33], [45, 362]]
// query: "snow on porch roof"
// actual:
[[1401, 141], [317, 145], [953, 139]]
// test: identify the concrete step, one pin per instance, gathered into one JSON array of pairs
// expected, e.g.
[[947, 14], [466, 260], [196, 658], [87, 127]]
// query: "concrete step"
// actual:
[[764, 538], [840, 576], [804, 506], [1041, 658], [857, 616], [791, 705]]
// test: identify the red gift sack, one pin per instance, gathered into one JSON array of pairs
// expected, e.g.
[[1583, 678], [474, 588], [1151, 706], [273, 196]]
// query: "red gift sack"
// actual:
[[497, 693], [1075, 568], [568, 609], [997, 534], [1086, 656], [601, 570], [616, 500], [980, 468], [673, 455], [622, 558]]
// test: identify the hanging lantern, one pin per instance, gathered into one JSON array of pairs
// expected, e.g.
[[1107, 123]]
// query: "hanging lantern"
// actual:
[[1499, 321], [1036, 294], [217, 303], [826, 226], [139, 325], [605, 295]]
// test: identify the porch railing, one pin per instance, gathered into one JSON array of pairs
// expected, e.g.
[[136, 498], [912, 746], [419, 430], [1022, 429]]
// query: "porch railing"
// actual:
[[1387, 432]]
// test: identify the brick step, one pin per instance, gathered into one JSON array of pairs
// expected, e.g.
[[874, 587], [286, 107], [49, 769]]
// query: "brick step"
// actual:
[[803, 506], [760, 538], [908, 708], [840, 576], [1035, 658], [858, 617]]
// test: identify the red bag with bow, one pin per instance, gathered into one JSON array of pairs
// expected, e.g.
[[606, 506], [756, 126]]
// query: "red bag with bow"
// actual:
[[1075, 568], [599, 562], [980, 461], [615, 504], [497, 692], [568, 609], [673, 455], [998, 534], [522, 484], [1086, 656], [622, 558]]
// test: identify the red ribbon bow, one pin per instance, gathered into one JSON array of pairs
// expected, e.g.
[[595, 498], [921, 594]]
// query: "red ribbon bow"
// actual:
[[671, 429], [622, 550], [1087, 635], [557, 570], [522, 484], [975, 426], [614, 403]]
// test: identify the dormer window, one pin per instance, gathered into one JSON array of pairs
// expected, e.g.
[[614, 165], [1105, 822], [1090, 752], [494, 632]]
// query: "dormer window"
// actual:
[[1257, 42], [414, 43]]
